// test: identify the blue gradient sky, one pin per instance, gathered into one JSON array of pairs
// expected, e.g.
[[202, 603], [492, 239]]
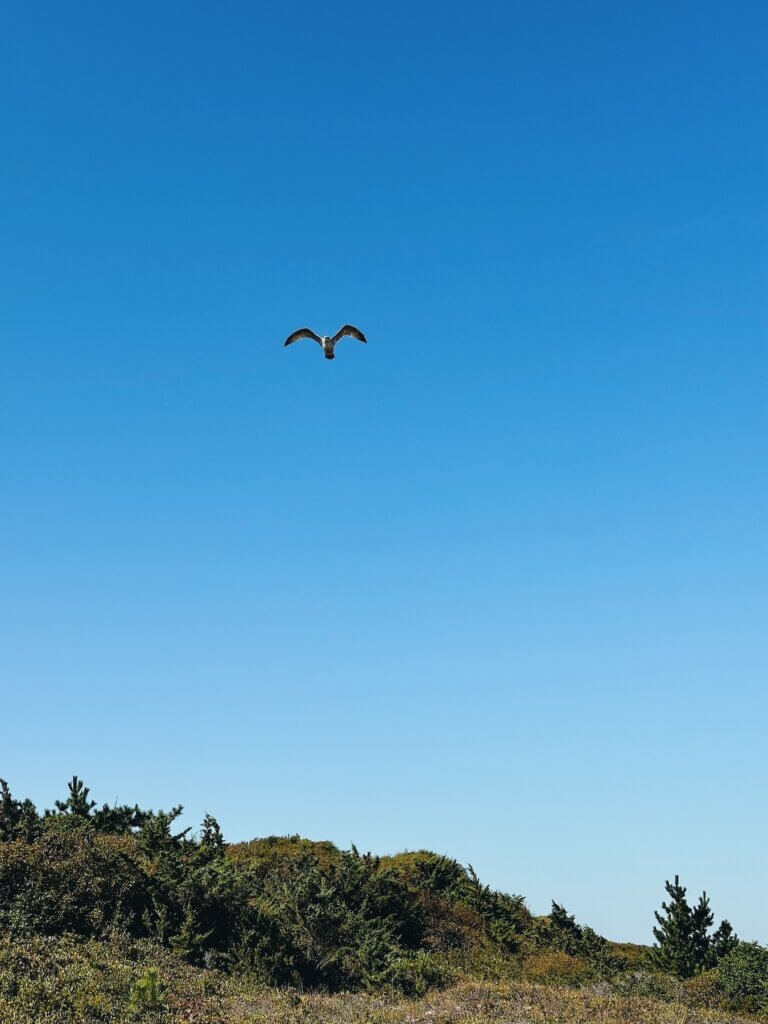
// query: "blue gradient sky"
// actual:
[[495, 584]]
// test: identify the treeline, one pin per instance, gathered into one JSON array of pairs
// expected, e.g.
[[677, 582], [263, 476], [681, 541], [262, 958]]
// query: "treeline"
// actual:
[[290, 912], [287, 910]]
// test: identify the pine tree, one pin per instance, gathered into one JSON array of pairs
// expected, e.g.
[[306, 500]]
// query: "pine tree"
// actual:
[[674, 952], [702, 920], [563, 932], [18, 818], [684, 946], [119, 820], [77, 803], [155, 836], [10, 812], [211, 838], [564, 922], [722, 942]]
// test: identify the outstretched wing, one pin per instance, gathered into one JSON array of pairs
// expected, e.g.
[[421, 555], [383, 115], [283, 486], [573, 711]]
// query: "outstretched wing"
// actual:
[[303, 332], [353, 332]]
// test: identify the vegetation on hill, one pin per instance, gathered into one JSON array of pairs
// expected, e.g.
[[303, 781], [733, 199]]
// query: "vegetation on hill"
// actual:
[[114, 913]]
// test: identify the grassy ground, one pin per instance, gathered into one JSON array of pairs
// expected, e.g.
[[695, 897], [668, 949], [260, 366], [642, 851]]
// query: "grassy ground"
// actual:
[[511, 1003], [63, 981]]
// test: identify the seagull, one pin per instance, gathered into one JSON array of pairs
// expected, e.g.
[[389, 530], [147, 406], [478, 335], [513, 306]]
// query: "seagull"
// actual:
[[328, 344]]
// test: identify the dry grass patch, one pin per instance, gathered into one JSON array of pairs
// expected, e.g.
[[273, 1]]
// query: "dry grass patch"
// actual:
[[469, 1004]]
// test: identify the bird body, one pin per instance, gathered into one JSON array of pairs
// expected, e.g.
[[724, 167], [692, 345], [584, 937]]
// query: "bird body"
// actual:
[[327, 343]]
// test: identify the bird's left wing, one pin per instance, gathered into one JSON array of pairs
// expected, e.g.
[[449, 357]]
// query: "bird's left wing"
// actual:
[[353, 332], [303, 332]]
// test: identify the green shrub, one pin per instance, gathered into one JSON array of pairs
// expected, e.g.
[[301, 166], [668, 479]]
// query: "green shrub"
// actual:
[[646, 984], [61, 980], [627, 956], [72, 881], [147, 991], [559, 931], [283, 910], [553, 967], [744, 977], [415, 974], [704, 990]]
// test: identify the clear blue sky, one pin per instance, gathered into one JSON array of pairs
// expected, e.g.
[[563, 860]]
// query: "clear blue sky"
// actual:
[[494, 585]]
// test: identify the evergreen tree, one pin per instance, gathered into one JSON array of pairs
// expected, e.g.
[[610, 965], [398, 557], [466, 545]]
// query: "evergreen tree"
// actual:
[[561, 932], [702, 920], [77, 803], [10, 812], [119, 820], [155, 836], [564, 922], [18, 818], [722, 942], [674, 952], [684, 946], [211, 838], [505, 916]]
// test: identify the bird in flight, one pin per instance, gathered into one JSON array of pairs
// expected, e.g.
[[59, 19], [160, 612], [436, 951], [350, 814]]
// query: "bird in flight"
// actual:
[[328, 344]]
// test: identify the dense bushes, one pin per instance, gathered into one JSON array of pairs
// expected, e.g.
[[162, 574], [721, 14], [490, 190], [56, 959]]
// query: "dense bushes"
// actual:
[[72, 881], [705, 990], [341, 923], [77, 981], [286, 911], [743, 977], [293, 913]]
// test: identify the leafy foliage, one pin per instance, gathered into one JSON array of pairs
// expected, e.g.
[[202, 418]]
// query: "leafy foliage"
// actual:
[[147, 990], [287, 912], [284, 910], [559, 931], [743, 977], [18, 819]]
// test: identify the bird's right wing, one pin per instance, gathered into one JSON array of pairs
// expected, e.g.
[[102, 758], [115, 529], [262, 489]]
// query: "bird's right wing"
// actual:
[[303, 332]]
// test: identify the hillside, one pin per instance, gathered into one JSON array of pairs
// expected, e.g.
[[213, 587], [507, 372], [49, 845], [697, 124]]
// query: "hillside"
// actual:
[[111, 914]]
